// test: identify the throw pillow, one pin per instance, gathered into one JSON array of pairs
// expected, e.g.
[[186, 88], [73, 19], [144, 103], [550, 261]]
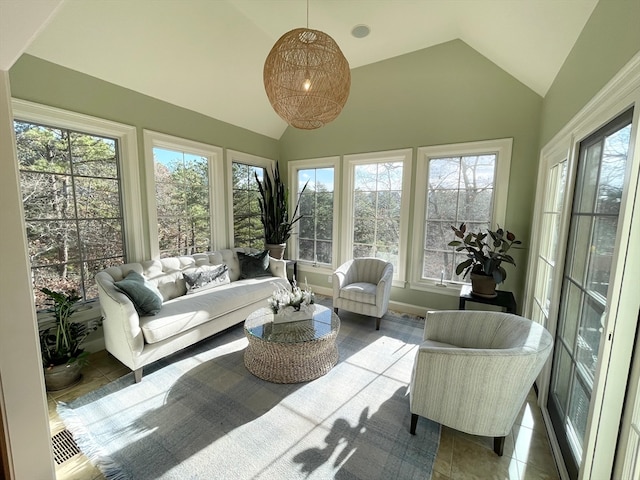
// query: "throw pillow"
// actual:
[[145, 296], [254, 265], [206, 277]]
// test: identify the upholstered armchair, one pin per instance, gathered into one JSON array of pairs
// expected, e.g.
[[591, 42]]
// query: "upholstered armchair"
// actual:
[[474, 370], [363, 285]]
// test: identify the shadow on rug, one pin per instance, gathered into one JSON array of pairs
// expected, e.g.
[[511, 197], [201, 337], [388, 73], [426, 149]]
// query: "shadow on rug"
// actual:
[[200, 414]]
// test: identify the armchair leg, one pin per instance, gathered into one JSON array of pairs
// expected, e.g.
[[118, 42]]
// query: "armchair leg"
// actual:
[[498, 445], [378, 323], [137, 374], [414, 423]]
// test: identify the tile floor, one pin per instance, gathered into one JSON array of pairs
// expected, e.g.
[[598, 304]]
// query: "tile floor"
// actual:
[[527, 455]]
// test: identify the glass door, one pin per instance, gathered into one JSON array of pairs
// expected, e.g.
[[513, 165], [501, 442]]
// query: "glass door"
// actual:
[[547, 256], [583, 300]]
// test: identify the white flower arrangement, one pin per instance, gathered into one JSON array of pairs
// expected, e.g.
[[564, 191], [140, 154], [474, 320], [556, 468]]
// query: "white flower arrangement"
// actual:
[[283, 301]]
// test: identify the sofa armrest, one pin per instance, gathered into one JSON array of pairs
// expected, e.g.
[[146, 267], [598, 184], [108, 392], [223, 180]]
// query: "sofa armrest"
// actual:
[[383, 289], [122, 333]]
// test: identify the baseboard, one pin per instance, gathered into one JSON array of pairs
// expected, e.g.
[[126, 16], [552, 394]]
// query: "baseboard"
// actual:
[[395, 306], [95, 344], [409, 308], [555, 446]]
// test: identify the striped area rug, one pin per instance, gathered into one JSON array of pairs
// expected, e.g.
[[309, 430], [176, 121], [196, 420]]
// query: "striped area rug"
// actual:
[[200, 414]]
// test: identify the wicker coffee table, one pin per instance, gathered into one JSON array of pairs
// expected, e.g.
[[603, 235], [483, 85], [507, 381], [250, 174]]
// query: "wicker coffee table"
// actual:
[[291, 352]]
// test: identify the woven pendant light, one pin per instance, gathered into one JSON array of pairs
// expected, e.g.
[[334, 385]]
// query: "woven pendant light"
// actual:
[[307, 78]]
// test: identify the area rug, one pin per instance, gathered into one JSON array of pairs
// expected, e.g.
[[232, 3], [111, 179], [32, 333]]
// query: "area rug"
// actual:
[[200, 414]]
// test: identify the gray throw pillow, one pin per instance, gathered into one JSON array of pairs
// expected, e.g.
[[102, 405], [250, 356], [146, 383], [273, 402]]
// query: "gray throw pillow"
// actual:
[[206, 277], [253, 265], [145, 296]]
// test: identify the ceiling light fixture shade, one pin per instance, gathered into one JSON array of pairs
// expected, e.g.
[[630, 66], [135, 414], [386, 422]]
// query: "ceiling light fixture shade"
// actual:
[[307, 78]]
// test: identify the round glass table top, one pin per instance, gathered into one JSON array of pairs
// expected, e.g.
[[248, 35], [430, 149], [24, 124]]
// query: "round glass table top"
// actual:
[[322, 323]]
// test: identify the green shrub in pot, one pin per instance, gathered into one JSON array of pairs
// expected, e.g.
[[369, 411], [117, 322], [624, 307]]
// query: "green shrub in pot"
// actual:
[[61, 343]]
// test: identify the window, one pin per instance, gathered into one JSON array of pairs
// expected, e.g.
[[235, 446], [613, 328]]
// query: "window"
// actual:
[[377, 219], [247, 227], [182, 199], [72, 193], [462, 183], [314, 241], [187, 206]]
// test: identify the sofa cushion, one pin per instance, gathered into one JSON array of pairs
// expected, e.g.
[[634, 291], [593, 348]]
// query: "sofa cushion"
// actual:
[[253, 265], [145, 296], [189, 311], [205, 277]]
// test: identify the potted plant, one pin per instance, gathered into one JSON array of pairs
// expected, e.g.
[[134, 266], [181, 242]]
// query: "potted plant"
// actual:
[[62, 355], [485, 254], [273, 201], [291, 305]]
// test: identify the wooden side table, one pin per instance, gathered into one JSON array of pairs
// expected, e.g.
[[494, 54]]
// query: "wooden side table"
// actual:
[[504, 299]]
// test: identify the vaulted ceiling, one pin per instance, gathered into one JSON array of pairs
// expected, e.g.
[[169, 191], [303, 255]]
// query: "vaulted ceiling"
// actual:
[[208, 55]]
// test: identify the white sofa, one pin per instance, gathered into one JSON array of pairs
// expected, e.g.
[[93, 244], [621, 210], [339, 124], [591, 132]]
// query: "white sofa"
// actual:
[[184, 319]]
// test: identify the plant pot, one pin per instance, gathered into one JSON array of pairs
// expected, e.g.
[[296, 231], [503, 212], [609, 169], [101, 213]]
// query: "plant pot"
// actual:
[[276, 250], [483, 285], [62, 376]]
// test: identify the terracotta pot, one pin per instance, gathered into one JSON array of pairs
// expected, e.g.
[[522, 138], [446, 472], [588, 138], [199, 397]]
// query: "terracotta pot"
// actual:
[[62, 376], [483, 285], [276, 250]]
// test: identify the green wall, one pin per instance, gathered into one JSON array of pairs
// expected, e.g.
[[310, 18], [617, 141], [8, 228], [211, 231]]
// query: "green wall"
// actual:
[[44, 82], [608, 41], [445, 94]]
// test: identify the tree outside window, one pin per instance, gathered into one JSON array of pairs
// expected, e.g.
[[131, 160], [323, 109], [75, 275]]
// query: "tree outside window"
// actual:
[[315, 229], [71, 192], [182, 199], [377, 197], [248, 231]]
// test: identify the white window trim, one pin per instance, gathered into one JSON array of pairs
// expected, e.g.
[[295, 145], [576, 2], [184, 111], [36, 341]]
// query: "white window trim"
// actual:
[[128, 162], [503, 149], [549, 157], [609, 390], [405, 156], [217, 197], [294, 167], [247, 159]]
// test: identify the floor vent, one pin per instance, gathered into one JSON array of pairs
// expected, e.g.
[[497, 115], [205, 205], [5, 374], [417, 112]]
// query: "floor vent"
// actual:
[[64, 446]]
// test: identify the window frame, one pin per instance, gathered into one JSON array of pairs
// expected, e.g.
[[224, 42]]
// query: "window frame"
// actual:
[[127, 144], [294, 167], [217, 197], [502, 148], [234, 156], [350, 162], [128, 154]]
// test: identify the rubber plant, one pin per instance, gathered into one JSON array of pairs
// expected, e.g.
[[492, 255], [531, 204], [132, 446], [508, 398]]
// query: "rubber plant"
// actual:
[[485, 251]]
